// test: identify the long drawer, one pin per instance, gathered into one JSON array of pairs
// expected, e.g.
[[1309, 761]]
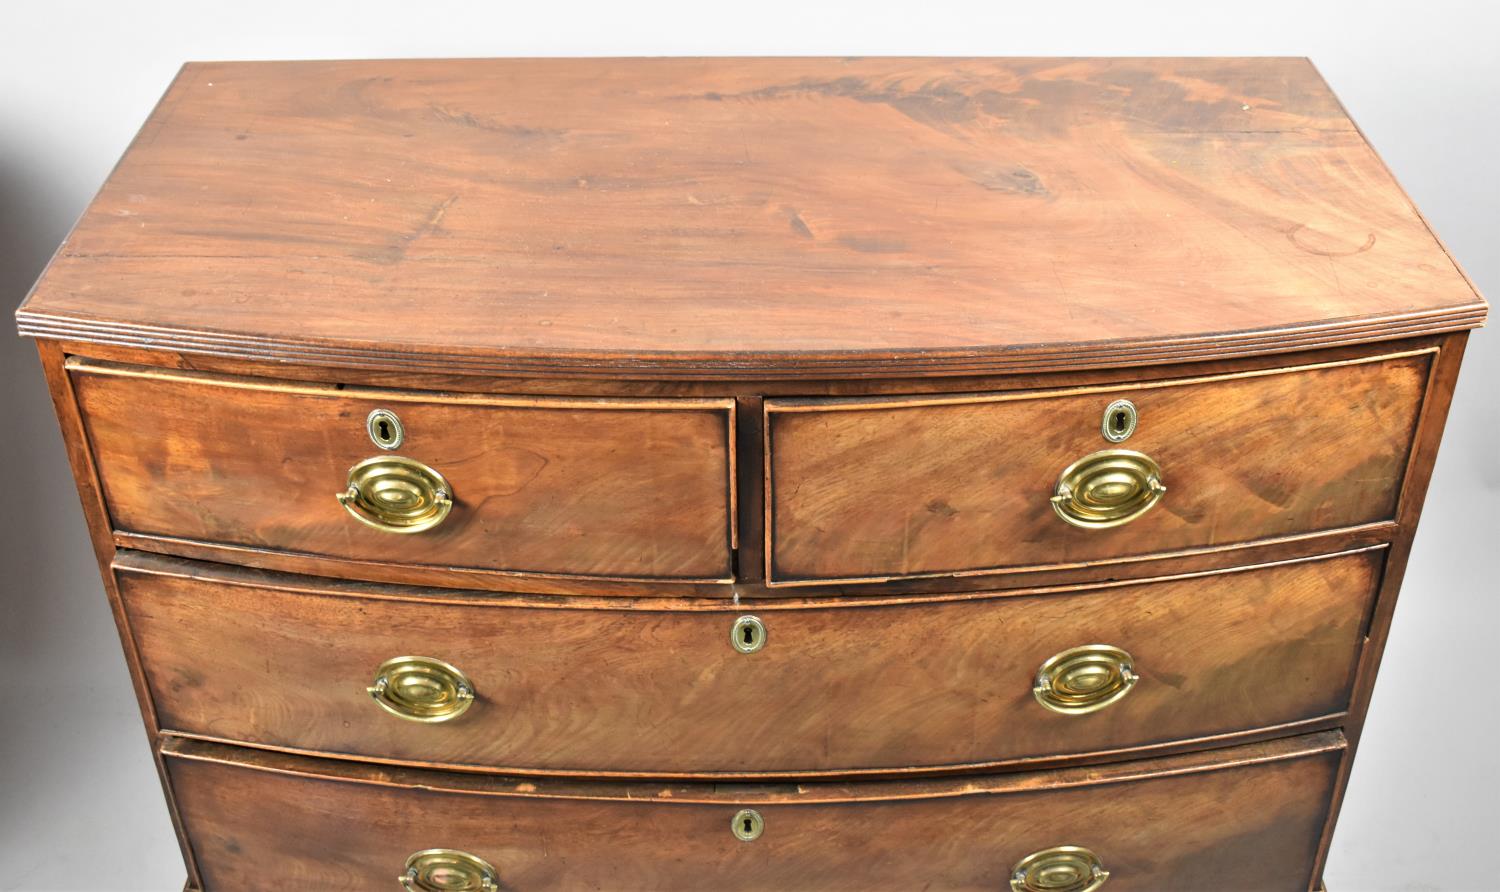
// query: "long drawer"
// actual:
[[613, 488], [682, 689], [874, 489], [1245, 818]]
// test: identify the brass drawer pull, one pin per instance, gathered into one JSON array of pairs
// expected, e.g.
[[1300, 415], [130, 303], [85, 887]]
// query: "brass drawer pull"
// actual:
[[448, 870], [421, 689], [396, 494], [1059, 869], [1084, 679], [1107, 489]]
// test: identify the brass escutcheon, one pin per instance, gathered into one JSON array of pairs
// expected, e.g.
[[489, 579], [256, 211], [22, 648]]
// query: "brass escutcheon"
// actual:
[[421, 689], [1119, 422], [1107, 489], [396, 494], [385, 429], [748, 634], [1084, 679], [448, 870], [1059, 869], [747, 825]]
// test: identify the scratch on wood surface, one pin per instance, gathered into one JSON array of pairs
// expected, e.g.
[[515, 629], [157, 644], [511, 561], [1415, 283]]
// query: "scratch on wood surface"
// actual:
[[395, 252]]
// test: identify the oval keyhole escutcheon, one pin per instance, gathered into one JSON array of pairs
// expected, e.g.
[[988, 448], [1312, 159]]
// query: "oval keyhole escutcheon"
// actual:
[[748, 825], [748, 634], [385, 429], [1120, 419]]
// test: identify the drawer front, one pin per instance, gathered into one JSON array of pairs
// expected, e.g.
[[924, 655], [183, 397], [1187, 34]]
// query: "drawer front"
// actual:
[[898, 488], [585, 487], [835, 689], [1244, 818]]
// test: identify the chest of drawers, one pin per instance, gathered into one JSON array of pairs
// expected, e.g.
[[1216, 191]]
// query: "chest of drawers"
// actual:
[[798, 474]]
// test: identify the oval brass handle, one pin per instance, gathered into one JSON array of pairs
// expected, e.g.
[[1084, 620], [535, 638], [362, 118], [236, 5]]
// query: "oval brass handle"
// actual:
[[1107, 489], [1059, 869], [421, 689], [448, 870], [396, 494], [1084, 679]]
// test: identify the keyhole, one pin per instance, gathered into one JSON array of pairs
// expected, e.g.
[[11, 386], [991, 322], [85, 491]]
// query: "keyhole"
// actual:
[[1119, 421], [747, 825], [385, 429], [748, 634]]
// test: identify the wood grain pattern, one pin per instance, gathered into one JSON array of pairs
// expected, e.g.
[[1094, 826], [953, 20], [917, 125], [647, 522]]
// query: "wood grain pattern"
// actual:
[[615, 488], [1237, 819], [1419, 476], [96, 516], [889, 488], [808, 338], [718, 218], [838, 689]]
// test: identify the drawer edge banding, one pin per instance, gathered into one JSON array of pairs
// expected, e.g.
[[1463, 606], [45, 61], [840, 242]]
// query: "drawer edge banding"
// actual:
[[789, 405], [645, 793], [1163, 750], [156, 564]]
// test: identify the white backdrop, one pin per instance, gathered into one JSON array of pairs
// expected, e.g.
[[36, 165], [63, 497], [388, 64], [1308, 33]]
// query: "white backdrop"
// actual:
[[80, 807]]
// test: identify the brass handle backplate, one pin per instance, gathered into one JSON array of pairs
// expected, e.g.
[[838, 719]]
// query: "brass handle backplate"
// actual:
[[396, 494], [1107, 489], [421, 689], [448, 870], [1059, 869], [1084, 679]]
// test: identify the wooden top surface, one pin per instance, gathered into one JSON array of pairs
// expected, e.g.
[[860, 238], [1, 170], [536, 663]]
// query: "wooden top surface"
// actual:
[[718, 218]]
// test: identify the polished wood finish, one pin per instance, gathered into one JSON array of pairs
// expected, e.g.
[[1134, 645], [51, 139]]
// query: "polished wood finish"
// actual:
[[808, 339], [733, 218], [964, 482], [613, 488], [839, 688], [1203, 821], [96, 515]]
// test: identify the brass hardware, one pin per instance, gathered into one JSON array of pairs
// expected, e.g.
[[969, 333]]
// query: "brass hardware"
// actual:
[[396, 494], [1059, 869], [421, 689], [1107, 489], [748, 634], [747, 825], [1084, 679], [448, 870], [385, 429], [1119, 422]]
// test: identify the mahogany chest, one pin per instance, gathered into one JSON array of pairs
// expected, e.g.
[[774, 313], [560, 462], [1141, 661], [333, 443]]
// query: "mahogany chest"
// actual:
[[746, 474]]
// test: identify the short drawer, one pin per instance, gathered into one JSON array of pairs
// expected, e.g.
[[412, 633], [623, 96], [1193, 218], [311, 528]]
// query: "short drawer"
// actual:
[[862, 490], [1246, 818], [663, 688], [619, 489]]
